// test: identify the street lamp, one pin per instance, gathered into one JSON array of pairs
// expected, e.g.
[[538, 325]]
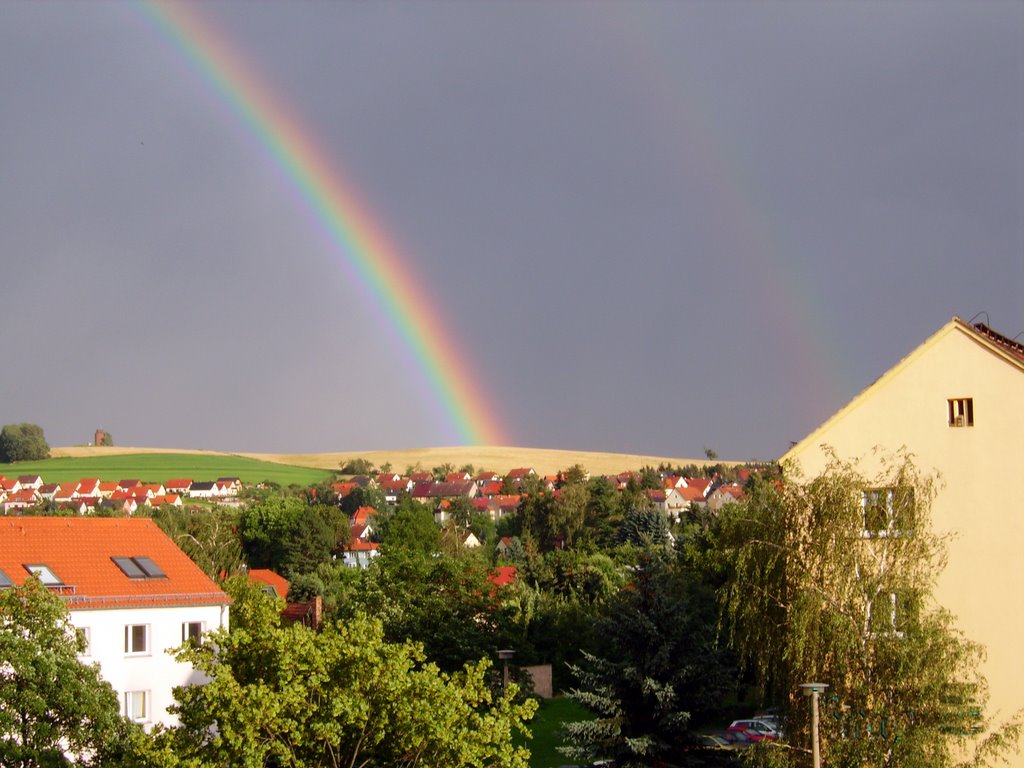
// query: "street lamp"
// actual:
[[505, 655], [812, 690]]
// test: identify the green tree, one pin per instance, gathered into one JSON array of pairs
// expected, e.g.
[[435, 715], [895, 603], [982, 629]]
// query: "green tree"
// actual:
[[357, 466], [830, 579], [54, 710], [445, 603], [290, 536], [23, 442], [659, 673], [207, 535], [291, 697]]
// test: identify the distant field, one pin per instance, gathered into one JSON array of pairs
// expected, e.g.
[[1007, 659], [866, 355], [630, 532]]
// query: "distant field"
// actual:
[[161, 467], [545, 461]]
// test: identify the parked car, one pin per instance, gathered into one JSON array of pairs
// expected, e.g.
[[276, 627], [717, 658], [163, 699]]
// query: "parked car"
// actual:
[[756, 730]]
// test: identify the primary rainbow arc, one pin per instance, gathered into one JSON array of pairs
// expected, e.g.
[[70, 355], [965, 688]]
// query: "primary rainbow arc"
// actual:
[[348, 223]]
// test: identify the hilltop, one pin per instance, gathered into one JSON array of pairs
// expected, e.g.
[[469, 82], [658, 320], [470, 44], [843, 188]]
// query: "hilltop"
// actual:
[[500, 459]]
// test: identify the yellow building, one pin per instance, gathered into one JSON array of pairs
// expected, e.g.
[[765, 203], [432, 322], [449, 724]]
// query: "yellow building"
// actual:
[[957, 404]]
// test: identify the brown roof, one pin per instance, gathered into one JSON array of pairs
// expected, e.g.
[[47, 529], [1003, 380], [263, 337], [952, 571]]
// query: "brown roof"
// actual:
[[1012, 347], [79, 551]]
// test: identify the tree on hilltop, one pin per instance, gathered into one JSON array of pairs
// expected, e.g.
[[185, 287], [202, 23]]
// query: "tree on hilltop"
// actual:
[[23, 442]]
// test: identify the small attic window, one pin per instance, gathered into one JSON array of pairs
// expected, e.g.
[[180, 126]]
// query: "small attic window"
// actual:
[[139, 568], [44, 574], [961, 411]]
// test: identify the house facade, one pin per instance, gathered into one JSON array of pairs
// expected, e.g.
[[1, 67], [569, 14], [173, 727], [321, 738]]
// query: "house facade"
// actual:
[[131, 592], [957, 404]]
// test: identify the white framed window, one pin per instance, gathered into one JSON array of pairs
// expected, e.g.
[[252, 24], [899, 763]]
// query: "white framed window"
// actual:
[[192, 632], [86, 635], [960, 411], [136, 639], [44, 574], [887, 512], [887, 614], [136, 706]]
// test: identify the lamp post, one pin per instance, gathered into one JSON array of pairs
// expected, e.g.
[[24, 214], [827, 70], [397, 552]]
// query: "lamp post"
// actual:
[[812, 690], [505, 655]]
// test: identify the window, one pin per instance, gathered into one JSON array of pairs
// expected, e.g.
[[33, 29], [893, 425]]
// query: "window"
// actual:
[[888, 614], [136, 638], [83, 632], [139, 568], [5, 581], [136, 705], [887, 511], [192, 632], [44, 574], [961, 412]]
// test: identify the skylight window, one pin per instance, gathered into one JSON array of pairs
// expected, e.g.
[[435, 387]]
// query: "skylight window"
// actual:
[[5, 581], [139, 567], [128, 566], [151, 569], [44, 574]]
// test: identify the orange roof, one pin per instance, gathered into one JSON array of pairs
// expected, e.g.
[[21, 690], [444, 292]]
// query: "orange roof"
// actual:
[[503, 575], [359, 545], [363, 515], [271, 579], [79, 552]]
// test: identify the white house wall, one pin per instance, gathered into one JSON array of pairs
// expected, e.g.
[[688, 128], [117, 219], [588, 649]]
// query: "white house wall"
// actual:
[[155, 671]]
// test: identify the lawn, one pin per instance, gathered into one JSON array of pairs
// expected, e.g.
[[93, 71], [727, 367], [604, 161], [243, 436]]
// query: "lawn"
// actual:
[[546, 727], [161, 467]]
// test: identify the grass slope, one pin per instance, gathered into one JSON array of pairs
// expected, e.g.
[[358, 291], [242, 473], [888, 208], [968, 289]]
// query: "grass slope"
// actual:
[[545, 461], [546, 728], [160, 467]]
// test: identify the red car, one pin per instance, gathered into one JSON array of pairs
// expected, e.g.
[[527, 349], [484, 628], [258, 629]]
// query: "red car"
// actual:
[[755, 730]]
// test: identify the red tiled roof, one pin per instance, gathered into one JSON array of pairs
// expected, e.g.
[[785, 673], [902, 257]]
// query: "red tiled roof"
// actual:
[[271, 579], [79, 552], [359, 545], [503, 575], [362, 515]]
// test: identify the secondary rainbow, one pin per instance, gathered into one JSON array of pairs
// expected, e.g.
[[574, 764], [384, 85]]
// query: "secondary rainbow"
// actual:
[[361, 242]]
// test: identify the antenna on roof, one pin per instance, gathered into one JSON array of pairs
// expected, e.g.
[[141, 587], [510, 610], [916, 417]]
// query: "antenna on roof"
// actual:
[[979, 314]]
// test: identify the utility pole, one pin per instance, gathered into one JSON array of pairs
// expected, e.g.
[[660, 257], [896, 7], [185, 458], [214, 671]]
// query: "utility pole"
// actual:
[[812, 690]]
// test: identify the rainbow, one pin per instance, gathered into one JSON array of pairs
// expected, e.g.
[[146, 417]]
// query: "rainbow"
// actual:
[[359, 238]]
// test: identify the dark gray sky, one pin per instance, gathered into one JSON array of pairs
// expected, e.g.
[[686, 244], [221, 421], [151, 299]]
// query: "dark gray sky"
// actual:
[[653, 226]]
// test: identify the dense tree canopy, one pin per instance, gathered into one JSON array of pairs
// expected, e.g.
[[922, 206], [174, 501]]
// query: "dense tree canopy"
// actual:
[[659, 672], [54, 710], [290, 697], [23, 442]]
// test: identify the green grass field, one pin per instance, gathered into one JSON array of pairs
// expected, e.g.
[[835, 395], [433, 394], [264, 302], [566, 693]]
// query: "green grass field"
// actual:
[[161, 467], [546, 727]]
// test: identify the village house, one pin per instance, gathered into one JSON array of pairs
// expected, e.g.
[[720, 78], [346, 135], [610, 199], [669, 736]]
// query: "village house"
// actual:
[[130, 591]]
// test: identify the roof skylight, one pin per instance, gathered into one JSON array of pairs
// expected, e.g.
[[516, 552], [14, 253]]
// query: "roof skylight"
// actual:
[[44, 574], [5, 581], [139, 567]]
